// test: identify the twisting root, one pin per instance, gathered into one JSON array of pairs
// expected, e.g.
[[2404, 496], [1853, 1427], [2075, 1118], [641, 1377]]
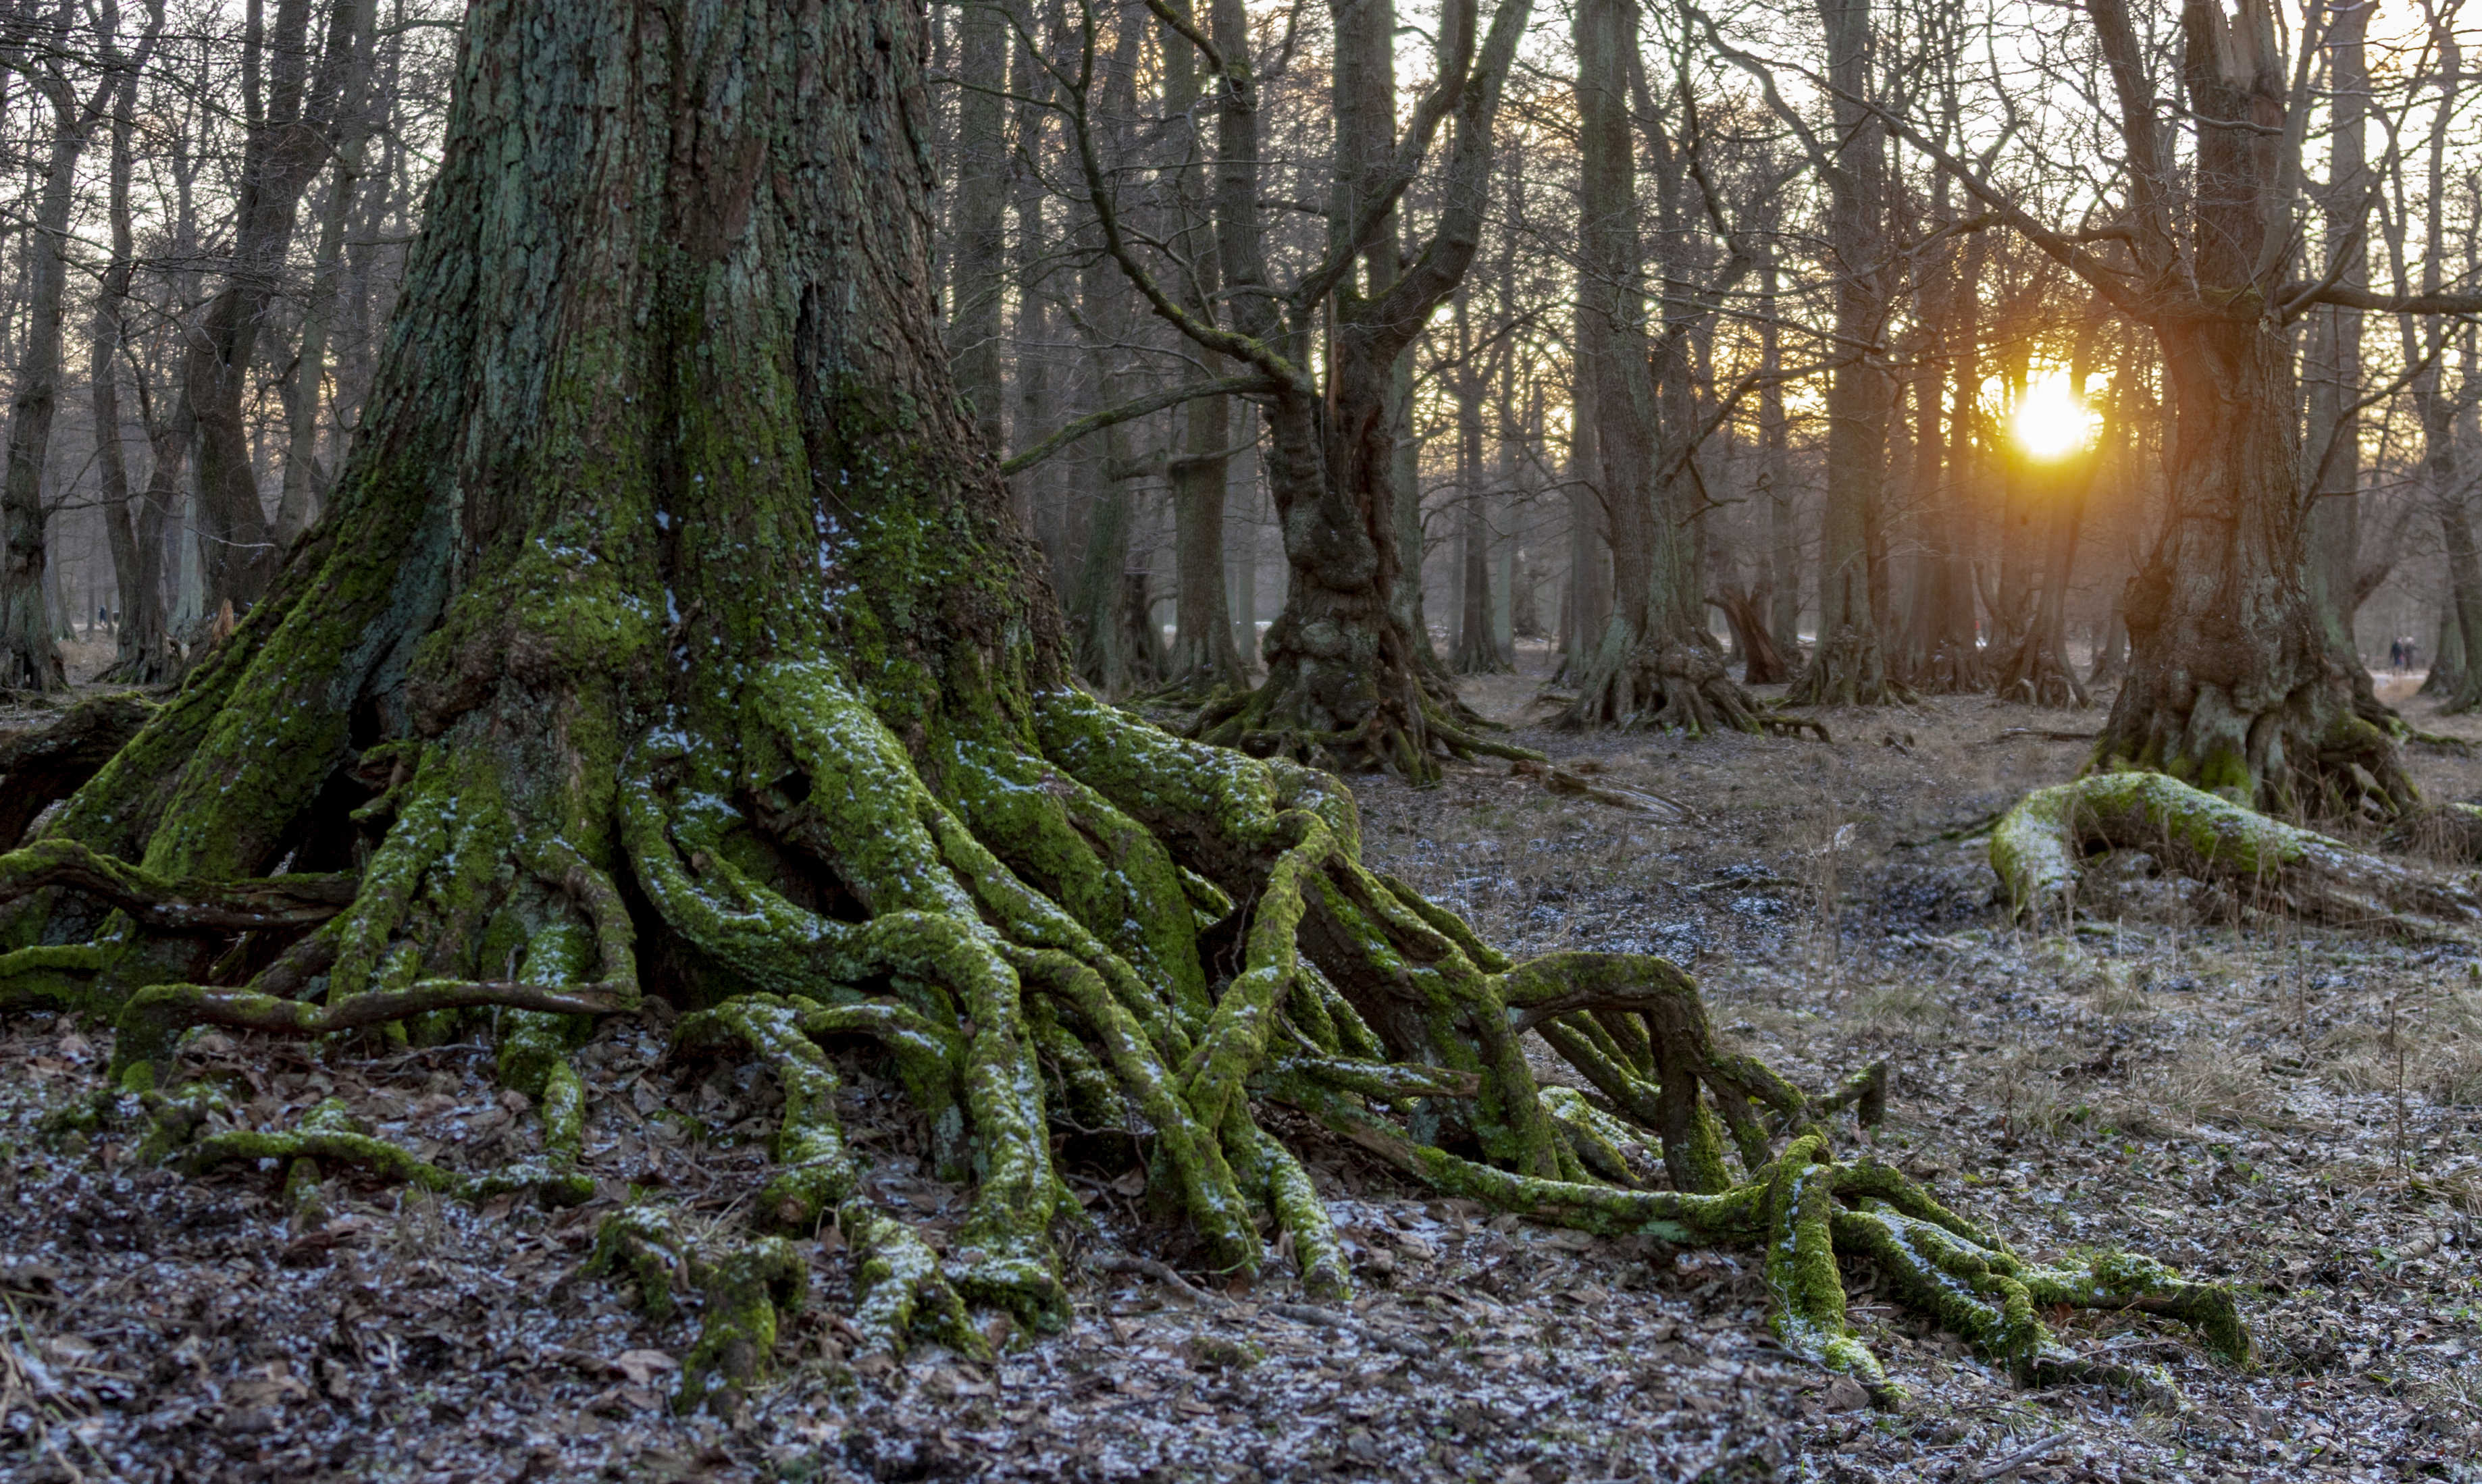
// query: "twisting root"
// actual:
[[1406, 733], [1666, 686], [899, 1290], [2038, 848], [1066, 915]]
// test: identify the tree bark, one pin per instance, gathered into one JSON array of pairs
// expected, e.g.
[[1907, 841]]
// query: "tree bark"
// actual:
[[1849, 667], [979, 238], [2333, 363], [143, 655], [1204, 661], [30, 656]]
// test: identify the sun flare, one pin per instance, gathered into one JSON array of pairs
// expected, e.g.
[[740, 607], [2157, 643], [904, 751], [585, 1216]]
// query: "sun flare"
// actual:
[[2051, 420]]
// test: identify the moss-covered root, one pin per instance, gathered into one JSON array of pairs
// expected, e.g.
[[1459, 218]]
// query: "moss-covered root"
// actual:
[[329, 1135], [814, 1169], [155, 1018], [638, 1243], [2038, 848], [749, 1288], [1800, 1265], [899, 1289], [2130, 1282]]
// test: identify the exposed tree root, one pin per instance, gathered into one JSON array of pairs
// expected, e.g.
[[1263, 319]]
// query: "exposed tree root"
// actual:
[[1671, 686], [273, 903], [2039, 846], [1098, 921], [1406, 735], [39, 765]]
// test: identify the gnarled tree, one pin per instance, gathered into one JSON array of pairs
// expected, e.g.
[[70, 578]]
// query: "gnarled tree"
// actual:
[[670, 634]]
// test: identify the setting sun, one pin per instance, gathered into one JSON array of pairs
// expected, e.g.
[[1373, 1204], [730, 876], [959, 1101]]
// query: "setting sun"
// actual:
[[2053, 420]]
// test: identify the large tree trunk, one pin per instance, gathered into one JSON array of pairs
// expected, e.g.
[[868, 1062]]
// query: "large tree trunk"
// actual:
[[1654, 664], [1350, 675], [2233, 683]]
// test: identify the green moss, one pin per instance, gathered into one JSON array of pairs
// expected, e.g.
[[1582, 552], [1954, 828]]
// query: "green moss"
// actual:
[[748, 1291], [815, 1170], [638, 1242], [899, 1289]]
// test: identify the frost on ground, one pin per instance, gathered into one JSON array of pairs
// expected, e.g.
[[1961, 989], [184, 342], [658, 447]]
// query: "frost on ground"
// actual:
[[2288, 1108]]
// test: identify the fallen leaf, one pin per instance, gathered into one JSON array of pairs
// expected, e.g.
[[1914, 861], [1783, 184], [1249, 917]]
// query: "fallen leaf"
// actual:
[[642, 1367]]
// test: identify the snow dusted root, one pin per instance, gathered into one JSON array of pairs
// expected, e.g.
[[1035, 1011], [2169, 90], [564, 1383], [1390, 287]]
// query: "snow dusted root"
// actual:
[[2039, 846], [1027, 942]]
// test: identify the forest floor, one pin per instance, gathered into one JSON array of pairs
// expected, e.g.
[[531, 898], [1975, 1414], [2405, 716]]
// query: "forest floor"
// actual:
[[2292, 1111]]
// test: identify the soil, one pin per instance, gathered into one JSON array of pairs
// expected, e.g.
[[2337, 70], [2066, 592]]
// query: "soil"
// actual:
[[2290, 1109]]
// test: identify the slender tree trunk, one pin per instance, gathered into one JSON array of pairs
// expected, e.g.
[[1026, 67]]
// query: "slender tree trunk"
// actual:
[[2334, 364], [1478, 651], [1775, 477], [304, 487], [144, 655], [1203, 660]]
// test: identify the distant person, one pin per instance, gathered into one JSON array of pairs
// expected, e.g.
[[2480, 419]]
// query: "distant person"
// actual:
[[2395, 654]]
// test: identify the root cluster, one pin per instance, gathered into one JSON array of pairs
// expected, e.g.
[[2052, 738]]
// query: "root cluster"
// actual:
[[1085, 922]]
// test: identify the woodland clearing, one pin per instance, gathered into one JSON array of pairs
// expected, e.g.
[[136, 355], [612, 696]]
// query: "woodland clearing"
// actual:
[[2291, 1109]]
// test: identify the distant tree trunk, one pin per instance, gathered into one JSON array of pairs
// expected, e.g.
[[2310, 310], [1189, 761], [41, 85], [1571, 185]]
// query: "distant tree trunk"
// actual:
[[1585, 602], [30, 657], [1349, 680], [1775, 477], [1956, 657], [1116, 649], [1653, 664], [1036, 490], [1203, 660], [1478, 651], [144, 655], [305, 391], [2334, 364], [290, 123], [1849, 667]]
